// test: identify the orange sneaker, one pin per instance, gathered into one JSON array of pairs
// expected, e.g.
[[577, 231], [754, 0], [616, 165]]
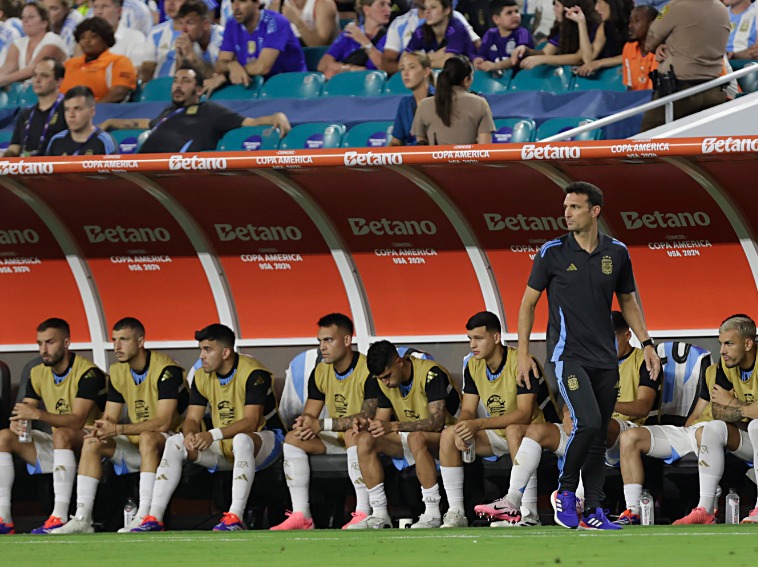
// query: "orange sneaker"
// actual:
[[229, 523], [751, 518], [357, 516], [698, 515], [295, 521], [6, 528]]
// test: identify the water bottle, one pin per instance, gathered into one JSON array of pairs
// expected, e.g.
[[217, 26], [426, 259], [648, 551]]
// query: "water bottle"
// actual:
[[647, 509], [26, 435], [130, 510], [469, 455], [732, 507]]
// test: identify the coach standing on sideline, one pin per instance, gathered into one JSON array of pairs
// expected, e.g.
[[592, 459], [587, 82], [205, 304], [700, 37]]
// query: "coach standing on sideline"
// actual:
[[581, 271], [689, 40]]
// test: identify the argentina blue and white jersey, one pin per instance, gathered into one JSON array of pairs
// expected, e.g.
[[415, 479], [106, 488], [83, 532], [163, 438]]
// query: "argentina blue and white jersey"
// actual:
[[8, 35], [226, 13], [401, 29], [137, 15], [210, 55], [161, 40], [742, 32], [15, 23], [68, 28]]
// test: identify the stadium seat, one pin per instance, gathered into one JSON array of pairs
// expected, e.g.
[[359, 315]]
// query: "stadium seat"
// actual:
[[5, 139], [395, 85], [250, 139], [239, 92], [26, 96], [748, 83], [490, 83], [542, 78], [128, 140], [293, 85], [557, 125], [313, 55], [368, 135], [356, 83], [683, 367], [314, 136], [610, 79], [513, 130], [157, 90]]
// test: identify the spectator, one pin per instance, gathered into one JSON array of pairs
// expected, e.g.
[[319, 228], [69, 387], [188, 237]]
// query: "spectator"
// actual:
[[110, 77], [129, 41], [189, 125], [257, 42], [564, 46], [499, 42], [36, 124], [63, 21], [314, 22], [8, 32], [544, 18], [416, 72], [604, 40], [637, 63], [454, 115], [137, 16], [200, 41], [29, 50], [401, 30], [742, 37], [162, 59], [441, 35], [82, 137], [10, 10], [359, 46]]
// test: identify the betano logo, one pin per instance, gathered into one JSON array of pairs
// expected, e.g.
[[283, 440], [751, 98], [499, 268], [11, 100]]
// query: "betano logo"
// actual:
[[176, 163], [362, 227], [19, 236], [97, 234], [25, 168], [227, 232], [496, 222], [634, 220], [370, 158], [728, 145], [531, 151]]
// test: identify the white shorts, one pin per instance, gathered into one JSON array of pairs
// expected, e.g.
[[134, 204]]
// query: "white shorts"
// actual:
[[43, 444], [499, 444], [560, 452], [126, 458], [332, 442], [214, 458], [613, 453], [671, 443], [745, 449]]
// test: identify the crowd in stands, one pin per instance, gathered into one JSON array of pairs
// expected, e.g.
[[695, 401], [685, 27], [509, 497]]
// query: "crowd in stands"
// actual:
[[116, 47]]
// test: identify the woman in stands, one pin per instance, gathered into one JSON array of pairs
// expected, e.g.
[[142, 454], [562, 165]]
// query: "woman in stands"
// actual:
[[39, 42], [360, 45], [454, 115], [610, 38], [314, 22], [416, 72], [441, 35], [572, 38]]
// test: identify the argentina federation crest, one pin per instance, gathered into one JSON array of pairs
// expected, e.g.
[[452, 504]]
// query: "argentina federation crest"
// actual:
[[572, 383], [606, 265]]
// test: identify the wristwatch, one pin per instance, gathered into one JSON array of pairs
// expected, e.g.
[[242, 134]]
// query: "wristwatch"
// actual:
[[647, 343], [368, 47]]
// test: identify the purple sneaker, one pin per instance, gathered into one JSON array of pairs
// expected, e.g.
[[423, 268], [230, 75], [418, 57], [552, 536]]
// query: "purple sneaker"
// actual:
[[564, 504], [598, 521], [229, 523], [149, 524], [50, 525]]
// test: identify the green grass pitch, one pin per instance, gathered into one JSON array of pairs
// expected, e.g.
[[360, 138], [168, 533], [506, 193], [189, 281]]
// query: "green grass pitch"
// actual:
[[635, 546]]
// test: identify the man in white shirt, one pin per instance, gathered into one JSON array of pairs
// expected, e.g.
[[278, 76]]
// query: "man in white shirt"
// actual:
[[200, 41], [129, 41]]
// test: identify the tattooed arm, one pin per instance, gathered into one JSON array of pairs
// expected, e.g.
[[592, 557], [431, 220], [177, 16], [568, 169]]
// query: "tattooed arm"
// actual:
[[435, 421]]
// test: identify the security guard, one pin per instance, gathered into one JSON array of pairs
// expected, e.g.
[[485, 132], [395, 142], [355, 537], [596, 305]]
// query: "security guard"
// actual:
[[693, 35]]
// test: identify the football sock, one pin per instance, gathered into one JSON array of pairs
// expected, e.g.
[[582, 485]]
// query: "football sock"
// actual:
[[580, 488], [530, 496], [632, 495], [64, 474], [525, 464], [378, 500], [354, 472], [86, 489], [7, 475], [432, 499], [711, 462], [297, 471], [752, 431], [243, 473], [452, 480], [146, 484], [168, 475]]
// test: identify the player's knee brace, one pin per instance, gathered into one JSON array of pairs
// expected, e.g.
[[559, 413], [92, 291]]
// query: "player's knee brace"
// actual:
[[714, 432]]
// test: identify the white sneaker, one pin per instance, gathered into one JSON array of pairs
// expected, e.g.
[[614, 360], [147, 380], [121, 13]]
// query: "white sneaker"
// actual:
[[427, 521], [75, 526], [372, 523], [454, 518], [136, 521], [528, 520]]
